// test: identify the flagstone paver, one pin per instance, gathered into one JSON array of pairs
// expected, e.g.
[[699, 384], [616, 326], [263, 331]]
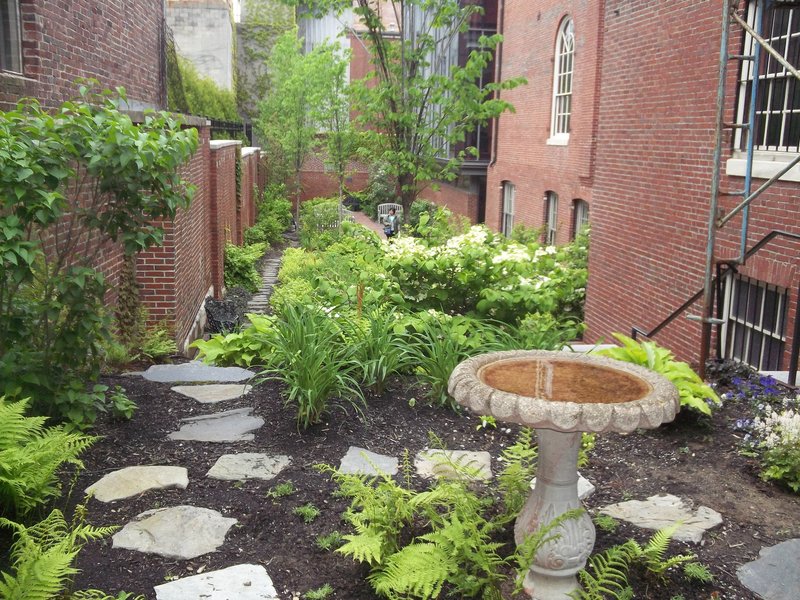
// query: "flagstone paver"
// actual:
[[663, 510], [177, 532], [132, 481], [215, 392], [240, 582], [362, 461], [228, 426], [196, 371], [774, 575], [439, 463], [248, 465]]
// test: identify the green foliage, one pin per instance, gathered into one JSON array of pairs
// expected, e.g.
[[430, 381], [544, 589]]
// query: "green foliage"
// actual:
[[379, 350], [543, 331], [30, 458], [319, 223], [157, 342], [380, 190], [43, 554], [605, 523], [281, 490], [250, 346], [693, 392], [75, 179], [776, 442], [429, 543], [319, 593], [519, 467], [435, 343], [274, 216], [203, 96], [330, 541], [607, 572], [307, 512], [240, 266], [309, 357], [120, 405], [438, 224]]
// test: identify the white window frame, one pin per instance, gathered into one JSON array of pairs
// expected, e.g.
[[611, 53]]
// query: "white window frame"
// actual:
[[509, 198], [11, 40], [580, 216], [551, 218], [768, 160], [743, 326], [563, 71]]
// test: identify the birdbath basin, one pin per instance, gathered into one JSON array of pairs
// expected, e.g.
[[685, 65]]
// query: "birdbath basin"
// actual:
[[561, 395]]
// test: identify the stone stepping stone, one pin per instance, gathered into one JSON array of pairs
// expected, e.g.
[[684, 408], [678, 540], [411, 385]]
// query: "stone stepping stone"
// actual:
[[438, 463], [228, 426], [585, 487], [363, 462], [774, 575], [663, 510], [132, 481], [240, 582], [196, 371], [214, 392], [248, 465], [179, 532]]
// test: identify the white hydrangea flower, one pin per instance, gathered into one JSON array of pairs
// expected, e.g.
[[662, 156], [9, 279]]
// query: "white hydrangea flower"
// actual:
[[778, 428], [513, 253]]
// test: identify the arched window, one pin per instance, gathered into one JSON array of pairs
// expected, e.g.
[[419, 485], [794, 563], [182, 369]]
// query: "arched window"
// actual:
[[562, 83], [580, 216], [550, 217]]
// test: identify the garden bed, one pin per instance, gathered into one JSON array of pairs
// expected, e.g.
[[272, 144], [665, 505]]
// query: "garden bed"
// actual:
[[699, 461]]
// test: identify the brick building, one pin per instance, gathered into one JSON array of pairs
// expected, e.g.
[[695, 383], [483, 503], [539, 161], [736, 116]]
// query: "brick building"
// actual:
[[45, 45], [638, 148]]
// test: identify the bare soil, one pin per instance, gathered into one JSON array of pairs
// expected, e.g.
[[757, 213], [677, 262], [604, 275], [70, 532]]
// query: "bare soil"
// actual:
[[699, 461]]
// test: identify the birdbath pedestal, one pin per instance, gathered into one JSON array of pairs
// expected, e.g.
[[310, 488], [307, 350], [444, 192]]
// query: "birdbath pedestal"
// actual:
[[561, 395]]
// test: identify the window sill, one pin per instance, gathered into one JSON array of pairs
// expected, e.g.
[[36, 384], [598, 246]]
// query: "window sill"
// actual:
[[561, 139], [765, 165]]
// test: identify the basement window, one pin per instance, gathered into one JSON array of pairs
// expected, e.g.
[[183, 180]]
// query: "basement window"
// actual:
[[10, 53], [756, 322]]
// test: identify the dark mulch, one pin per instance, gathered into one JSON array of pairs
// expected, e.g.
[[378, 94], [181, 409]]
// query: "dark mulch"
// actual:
[[697, 461]]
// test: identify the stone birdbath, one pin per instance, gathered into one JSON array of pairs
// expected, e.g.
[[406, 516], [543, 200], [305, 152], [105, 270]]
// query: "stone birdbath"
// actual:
[[561, 395]]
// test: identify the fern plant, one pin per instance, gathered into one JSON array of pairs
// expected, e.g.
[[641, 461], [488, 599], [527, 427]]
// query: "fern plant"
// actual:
[[514, 480], [30, 455], [693, 392], [42, 556]]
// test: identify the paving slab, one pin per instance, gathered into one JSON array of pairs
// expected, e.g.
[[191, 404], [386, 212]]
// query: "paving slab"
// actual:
[[362, 461], [196, 371], [132, 481], [214, 392], [439, 463], [228, 426], [663, 510], [585, 487], [177, 532], [248, 465], [774, 575], [240, 582]]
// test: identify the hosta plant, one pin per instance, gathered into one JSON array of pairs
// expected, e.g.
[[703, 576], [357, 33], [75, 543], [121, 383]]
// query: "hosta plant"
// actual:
[[694, 394]]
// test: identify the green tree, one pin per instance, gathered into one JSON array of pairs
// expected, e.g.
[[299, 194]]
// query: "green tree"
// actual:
[[415, 104], [306, 97], [202, 95]]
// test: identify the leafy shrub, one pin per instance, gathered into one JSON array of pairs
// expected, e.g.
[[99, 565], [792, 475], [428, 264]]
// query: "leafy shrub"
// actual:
[[542, 331], [380, 190], [203, 96], [240, 266], [274, 216], [30, 457], [88, 170], [251, 346], [319, 223], [43, 554], [693, 392]]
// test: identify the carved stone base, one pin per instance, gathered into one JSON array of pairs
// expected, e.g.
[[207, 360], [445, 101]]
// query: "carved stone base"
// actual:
[[552, 574]]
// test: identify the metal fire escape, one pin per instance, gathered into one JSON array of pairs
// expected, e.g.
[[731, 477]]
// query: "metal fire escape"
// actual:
[[714, 269]]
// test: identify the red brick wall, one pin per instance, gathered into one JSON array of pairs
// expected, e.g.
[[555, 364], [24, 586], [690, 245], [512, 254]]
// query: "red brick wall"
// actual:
[[247, 212], [222, 206], [117, 42], [460, 200], [653, 175], [316, 182], [523, 156]]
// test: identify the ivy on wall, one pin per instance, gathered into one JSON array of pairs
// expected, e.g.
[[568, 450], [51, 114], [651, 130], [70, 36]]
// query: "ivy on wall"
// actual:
[[263, 21]]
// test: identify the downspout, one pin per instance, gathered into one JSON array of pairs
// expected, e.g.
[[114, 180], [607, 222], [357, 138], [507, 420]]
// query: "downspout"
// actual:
[[498, 72]]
